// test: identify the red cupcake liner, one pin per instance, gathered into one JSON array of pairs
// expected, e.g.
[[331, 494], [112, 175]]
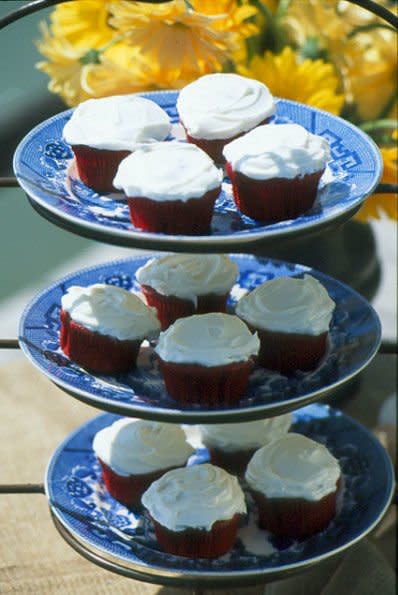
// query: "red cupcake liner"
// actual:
[[233, 462], [129, 489], [199, 543], [214, 147], [169, 307], [276, 199], [288, 352], [217, 386], [95, 352], [191, 217], [295, 517], [97, 167]]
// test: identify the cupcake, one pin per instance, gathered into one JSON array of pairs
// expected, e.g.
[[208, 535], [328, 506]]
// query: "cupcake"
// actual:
[[103, 326], [217, 108], [181, 285], [196, 511], [133, 453], [171, 188], [104, 131], [275, 171], [231, 446], [294, 482], [291, 316], [206, 359]]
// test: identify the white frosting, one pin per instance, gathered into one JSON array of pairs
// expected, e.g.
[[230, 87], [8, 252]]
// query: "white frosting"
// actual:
[[194, 497], [244, 435], [278, 151], [210, 340], [109, 310], [293, 466], [189, 275], [220, 106], [288, 305], [135, 446], [117, 123], [168, 171]]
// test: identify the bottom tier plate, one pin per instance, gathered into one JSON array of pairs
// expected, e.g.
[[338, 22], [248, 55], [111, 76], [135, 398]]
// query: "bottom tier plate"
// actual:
[[108, 534]]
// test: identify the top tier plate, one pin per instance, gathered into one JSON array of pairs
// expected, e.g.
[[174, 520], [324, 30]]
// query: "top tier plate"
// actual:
[[45, 170]]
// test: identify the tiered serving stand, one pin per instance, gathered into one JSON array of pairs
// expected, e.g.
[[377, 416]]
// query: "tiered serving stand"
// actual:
[[103, 530]]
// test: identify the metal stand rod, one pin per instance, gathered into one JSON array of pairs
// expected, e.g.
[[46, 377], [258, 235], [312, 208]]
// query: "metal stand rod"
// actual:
[[378, 10], [8, 182], [9, 344], [27, 488]]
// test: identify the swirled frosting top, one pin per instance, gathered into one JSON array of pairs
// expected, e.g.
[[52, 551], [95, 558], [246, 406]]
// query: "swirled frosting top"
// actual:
[[189, 275], [207, 339], [293, 466], [136, 446], [244, 435], [289, 305], [117, 123], [167, 171], [194, 497], [110, 310], [222, 105], [278, 151]]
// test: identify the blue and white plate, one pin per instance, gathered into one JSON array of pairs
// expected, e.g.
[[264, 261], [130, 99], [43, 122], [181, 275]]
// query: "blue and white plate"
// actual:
[[45, 169], [108, 533], [353, 340]]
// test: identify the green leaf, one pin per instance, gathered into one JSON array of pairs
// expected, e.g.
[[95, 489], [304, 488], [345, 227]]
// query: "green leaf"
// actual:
[[91, 57]]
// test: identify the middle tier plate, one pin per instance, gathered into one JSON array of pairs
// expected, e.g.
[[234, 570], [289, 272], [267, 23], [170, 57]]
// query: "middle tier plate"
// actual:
[[354, 339]]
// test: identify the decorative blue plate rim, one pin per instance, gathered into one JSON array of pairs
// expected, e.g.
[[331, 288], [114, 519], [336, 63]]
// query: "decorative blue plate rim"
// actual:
[[358, 465], [141, 393], [252, 231]]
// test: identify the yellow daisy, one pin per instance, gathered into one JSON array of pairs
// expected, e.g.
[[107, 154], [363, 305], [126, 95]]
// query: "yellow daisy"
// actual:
[[83, 23], [64, 66], [78, 73], [235, 17], [383, 204], [312, 81], [178, 44], [369, 69]]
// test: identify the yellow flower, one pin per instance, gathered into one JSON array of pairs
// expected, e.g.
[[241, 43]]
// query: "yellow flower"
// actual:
[[63, 66], [314, 18], [235, 17], [83, 23], [370, 71], [366, 60], [121, 71], [79, 73], [387, 204], [178, 44], [312, 81]]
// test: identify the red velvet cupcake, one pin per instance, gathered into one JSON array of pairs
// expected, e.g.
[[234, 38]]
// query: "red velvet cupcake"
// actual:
[[206, 359], [231, 446], [171, 188], [180, 285], [275, 171], [102, 132], [196, 511], [218, 108], [294, 482], [133, 453], [292, 317], [103, 326]]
